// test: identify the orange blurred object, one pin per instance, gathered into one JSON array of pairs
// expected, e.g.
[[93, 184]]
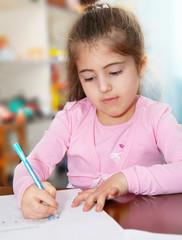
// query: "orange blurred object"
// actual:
[[20, 117], [60, 3], [3, 42]]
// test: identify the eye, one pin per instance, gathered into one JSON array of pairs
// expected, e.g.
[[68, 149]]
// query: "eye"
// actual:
[[89, 79], [115, 73]]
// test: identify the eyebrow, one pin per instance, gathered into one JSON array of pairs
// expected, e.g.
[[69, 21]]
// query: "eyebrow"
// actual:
[[108, 65]]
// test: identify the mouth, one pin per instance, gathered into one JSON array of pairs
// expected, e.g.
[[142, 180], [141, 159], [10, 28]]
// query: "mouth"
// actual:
[[110, 100]]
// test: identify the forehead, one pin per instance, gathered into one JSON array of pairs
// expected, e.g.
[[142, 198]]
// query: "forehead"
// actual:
[[97, 51], [100, 46]]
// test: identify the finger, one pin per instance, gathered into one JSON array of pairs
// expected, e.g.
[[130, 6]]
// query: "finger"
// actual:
[[38, 210], [41, 210], [87, 191], [101, 202], [82, 196], [45, 210], [50, 188], [79, 199], [47, 198], [90, 201]]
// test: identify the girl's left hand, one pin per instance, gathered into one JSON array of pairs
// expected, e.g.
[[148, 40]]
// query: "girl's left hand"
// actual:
[[113, 187]]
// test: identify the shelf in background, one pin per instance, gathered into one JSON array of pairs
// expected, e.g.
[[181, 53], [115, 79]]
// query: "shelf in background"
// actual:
[[31, 29], [31, 62], [17, 4]]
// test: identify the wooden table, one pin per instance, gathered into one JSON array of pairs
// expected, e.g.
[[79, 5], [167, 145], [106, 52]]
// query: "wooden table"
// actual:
[[160, 214], [7, 154]]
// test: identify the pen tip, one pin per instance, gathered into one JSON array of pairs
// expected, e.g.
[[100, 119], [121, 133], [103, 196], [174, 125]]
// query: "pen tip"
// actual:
[[56, 215]]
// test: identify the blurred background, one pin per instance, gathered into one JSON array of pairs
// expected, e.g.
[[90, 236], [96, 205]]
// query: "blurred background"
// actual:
[[33, 37]]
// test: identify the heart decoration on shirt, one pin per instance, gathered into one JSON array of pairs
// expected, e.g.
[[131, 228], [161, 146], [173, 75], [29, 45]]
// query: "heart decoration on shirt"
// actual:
[[121, 145]]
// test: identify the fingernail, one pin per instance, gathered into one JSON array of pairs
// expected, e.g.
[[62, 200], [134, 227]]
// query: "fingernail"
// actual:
[[85, 208], [98, 209], [55, 213]]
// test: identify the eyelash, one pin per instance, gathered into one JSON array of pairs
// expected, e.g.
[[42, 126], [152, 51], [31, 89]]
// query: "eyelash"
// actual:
[[116, 73], [112, 73], [89, 79]]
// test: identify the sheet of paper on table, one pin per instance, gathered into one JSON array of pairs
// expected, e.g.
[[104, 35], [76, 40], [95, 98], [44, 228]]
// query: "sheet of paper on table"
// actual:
[[144, 235], [73, 224]]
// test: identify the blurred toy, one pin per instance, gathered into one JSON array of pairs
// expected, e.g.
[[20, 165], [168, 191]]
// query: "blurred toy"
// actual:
[[5, 114], [57, 54], [58, 96], [20, 117], [23, 108], [5, 52], [58, 90], [36, 53], [15, 104]]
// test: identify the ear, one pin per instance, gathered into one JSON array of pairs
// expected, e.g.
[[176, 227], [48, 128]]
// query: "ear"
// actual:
[[143, 66]]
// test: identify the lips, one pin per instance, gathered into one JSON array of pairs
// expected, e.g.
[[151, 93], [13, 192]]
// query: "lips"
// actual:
[[110, 100]]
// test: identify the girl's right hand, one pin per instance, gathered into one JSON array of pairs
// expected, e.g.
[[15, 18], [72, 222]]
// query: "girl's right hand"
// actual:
[[39, 203]]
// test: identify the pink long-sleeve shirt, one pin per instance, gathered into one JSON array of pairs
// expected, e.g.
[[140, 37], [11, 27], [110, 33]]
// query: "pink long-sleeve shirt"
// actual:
[[147, 149]]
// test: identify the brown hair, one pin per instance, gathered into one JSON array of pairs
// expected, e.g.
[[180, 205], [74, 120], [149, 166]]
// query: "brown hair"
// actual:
[[118, 27]]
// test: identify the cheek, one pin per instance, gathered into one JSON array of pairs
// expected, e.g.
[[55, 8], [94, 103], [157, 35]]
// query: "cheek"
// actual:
[[128, 84], [133, 81], [88, 90]]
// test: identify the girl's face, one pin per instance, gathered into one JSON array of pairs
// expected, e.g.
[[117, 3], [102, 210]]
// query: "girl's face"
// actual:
[[110, 81]]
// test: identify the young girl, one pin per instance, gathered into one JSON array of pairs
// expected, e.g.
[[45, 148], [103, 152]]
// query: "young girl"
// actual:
[[117, 142]]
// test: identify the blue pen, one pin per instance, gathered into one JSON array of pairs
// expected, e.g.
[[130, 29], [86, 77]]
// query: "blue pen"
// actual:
[[29, 168], [27, 165]]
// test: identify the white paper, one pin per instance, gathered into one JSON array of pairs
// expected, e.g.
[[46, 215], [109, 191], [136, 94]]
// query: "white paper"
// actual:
[[144, 235], [73, 224]]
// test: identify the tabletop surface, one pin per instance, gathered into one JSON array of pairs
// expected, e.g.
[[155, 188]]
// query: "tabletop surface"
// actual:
[[160, 214]]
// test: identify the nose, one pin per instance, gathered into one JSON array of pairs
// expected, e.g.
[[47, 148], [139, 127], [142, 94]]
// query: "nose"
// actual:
[[104, 85]]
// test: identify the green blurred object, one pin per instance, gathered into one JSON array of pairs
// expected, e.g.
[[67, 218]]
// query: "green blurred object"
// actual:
[[28, 113], [15, 104]]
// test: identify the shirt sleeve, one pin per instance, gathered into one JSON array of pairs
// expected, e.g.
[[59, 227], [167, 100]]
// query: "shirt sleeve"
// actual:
[[46, 154], [160, 178]]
